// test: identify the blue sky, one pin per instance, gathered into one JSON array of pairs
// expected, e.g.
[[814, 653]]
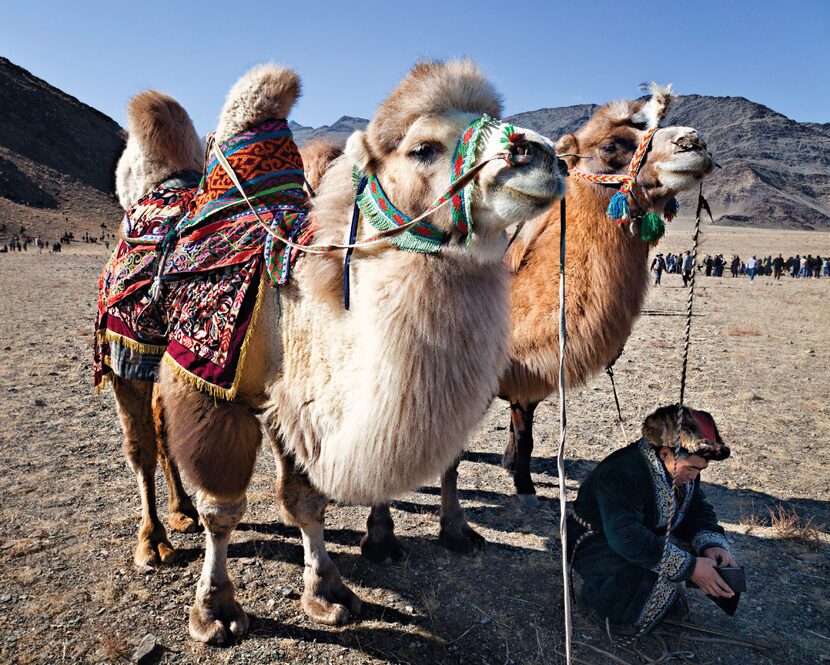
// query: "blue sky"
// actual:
[[350, 54]]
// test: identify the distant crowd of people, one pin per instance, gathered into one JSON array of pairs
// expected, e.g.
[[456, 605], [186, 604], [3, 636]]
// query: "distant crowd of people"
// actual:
[[22, 241], [714, 265]]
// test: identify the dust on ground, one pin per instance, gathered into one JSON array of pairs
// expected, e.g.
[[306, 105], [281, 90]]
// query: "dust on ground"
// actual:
[[760, 361]]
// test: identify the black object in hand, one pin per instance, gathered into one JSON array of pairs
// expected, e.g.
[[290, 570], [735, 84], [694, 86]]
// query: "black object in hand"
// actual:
[[735, 579]]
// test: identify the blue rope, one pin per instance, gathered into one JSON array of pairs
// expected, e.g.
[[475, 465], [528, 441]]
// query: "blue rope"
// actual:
[[352, 236]]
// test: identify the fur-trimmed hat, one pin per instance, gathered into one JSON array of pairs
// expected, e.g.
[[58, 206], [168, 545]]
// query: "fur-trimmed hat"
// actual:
[[698, 434]]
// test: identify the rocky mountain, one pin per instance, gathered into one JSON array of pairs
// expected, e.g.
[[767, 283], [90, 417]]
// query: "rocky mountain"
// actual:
[[338, 132], [57, 161]]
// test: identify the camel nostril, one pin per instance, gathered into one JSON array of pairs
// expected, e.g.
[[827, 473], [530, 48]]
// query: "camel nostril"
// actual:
[[691, 141]]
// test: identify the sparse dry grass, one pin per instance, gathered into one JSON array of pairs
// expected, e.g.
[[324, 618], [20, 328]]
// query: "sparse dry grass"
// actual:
[[113, 648], [743, 331], [788, 524], [752, 522]]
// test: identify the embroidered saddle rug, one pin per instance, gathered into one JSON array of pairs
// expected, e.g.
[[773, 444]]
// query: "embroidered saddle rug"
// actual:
[[210, 253]]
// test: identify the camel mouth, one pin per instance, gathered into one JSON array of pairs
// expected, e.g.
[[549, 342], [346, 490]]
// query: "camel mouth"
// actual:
[[697, 165], [536, 199]]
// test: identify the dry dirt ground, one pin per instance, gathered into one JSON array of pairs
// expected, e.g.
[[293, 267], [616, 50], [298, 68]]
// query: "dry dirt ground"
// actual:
[[69, 508]]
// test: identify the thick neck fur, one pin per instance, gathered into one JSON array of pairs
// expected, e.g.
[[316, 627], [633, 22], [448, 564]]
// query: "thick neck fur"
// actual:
[[374, 401], [606, 278]]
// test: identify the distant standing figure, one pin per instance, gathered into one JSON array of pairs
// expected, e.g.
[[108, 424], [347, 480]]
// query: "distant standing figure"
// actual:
[[687, 267], [777, 266], [825, 267], [752, 267], [657, 267]]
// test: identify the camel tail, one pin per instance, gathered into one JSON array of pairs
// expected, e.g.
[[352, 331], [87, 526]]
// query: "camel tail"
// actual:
[[266, 92]]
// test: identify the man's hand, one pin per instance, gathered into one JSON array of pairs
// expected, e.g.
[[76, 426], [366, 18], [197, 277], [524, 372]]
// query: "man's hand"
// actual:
[[707, 578], [720, 556]]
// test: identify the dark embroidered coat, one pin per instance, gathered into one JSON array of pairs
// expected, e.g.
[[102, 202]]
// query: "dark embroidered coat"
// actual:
[[626, 500]]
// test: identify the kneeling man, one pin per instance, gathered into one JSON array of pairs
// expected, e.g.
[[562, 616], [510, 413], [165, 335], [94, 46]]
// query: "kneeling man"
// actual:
[[618, 525]]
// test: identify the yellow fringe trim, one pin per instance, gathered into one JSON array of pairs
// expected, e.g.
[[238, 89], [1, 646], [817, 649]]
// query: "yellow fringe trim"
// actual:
[[207, 387], [115, 338]]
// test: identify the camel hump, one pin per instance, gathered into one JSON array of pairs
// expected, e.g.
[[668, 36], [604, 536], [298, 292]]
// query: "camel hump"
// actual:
[[164, 131], [161, 141], [266, 92], [317, 155]]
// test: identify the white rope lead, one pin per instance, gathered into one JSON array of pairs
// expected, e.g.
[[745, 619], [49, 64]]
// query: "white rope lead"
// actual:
[[560, 456]]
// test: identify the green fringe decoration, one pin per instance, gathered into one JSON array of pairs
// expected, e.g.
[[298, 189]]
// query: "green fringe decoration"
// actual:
[[380, 222], [652, 228]]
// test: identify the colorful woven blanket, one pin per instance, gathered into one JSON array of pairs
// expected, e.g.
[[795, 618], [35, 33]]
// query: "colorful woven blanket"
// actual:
[[213, 252]]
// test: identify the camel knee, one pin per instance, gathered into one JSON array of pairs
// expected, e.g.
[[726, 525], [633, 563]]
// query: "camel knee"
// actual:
[[299, 502], [220, 516]]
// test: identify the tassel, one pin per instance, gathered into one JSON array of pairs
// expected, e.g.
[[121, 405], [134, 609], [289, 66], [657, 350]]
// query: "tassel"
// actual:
[[618, 208], [652, 228], [671, 209]]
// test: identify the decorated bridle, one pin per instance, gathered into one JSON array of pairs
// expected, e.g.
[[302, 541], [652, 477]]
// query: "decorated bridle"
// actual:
[[382, 214], [652, 226]]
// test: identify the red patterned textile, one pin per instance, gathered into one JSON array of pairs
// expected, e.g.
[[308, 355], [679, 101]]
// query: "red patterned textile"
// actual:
[[214, 255]]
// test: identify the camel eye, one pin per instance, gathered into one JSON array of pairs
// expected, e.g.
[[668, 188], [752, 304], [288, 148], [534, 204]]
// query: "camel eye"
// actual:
[[424, 152], [609, 149]]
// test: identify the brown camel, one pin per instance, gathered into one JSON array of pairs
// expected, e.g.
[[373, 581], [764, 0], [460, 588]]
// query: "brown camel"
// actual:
[[162, 145], [354, 400], [607, 281]]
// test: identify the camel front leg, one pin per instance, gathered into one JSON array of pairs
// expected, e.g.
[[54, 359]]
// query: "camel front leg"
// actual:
[[456, 534], [181, 513], [379, 544], [325, 598], [133, 401], [215, 615]]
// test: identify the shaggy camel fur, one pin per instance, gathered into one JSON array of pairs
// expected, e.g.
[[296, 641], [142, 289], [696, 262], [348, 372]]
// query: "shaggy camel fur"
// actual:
[[607, 281], [161, 142], [426, 333]]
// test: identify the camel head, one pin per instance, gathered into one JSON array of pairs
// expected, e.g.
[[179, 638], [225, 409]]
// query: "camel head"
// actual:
[[317, 155], [676, 158], [161, 142], [410, 145]]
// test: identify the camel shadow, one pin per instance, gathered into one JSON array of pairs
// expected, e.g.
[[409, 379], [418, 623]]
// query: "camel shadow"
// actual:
[[381, 643]]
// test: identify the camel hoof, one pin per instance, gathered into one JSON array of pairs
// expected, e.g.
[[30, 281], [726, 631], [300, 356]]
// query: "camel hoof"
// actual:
[[181, 522], [153, 552], [528, 501], [465, 541], [217, 624], [331, 602], [322, 611], [388, 548]]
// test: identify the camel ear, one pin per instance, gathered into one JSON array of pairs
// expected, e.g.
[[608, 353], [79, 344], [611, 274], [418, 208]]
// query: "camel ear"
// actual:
[[566, 147], [657, 106], [357, 150]]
